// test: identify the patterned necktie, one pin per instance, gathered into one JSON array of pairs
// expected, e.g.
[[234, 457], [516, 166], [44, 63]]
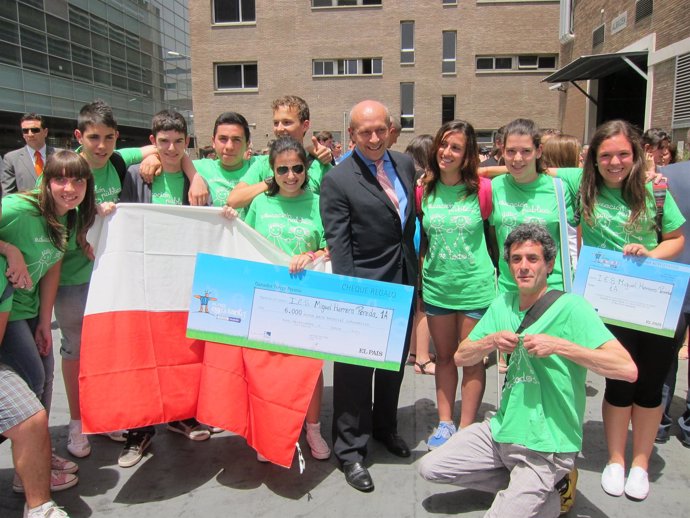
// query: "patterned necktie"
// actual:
[[386, 184], [38, 163]]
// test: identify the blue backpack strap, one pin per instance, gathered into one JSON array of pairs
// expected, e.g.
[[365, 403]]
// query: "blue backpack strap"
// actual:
[[563, 232]]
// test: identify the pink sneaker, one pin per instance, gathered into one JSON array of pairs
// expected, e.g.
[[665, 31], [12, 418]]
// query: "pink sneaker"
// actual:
[[58, 482], [60, 465], [319, 447]]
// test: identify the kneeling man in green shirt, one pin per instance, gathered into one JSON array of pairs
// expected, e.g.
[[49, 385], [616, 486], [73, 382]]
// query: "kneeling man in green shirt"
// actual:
[[525, 452]]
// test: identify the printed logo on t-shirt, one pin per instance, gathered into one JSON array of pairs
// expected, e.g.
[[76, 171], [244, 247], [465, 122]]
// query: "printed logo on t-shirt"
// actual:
[[520, 368], [48, 258]]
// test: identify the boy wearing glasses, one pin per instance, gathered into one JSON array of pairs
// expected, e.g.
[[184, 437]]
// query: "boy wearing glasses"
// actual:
[[22, 167], [290, 119]]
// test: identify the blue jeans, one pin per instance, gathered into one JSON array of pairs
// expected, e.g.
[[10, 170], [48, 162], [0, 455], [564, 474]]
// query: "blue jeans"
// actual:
[[19, 351]]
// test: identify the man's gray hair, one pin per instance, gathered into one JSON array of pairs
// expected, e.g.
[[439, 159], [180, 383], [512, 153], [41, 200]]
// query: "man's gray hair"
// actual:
[[531, 232]]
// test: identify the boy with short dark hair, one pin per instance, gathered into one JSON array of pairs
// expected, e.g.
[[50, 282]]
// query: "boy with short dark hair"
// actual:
[[169, 138]]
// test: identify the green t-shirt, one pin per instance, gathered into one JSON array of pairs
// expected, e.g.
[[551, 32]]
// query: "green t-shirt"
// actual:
[[610, 228], [23, 226], [76, 267], [457, 271], [220, 181], [168, 189], [261, 169], [292, 224], [535, 202], [5, 305], [543, 399]]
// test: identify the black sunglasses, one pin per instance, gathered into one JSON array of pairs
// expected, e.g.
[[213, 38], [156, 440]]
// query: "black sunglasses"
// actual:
[[31, 130], [283, 169]]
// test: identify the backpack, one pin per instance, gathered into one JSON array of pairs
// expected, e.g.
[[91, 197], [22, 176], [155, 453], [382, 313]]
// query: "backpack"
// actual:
[[120, 166], [660, 189]]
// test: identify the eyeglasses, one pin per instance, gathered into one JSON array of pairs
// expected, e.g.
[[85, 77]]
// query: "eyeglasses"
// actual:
[[26, 131], [283, 169]]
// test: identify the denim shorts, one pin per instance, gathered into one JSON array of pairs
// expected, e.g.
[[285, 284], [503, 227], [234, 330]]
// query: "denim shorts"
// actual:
[[436, 311], [69, 313]]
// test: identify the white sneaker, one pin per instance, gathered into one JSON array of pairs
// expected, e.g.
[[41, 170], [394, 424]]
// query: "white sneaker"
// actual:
[[613, 479], [47, 510], [77, 443], [261, 458], [637, 486], [319, 447], [117, 436]]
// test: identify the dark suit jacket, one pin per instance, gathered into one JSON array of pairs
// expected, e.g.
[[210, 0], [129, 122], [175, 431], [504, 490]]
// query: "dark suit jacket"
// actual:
[[362, 227], [18, 173]]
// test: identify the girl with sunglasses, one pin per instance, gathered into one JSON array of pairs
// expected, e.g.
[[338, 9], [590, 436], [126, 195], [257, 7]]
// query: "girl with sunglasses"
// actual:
[[288, 216]]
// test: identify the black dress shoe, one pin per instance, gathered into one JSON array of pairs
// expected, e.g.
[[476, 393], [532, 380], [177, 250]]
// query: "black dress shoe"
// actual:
[[394, 444], [358, 476]]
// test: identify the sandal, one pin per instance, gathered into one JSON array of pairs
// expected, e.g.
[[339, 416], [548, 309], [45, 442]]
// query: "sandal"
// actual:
[[421, 368], [411, 359]]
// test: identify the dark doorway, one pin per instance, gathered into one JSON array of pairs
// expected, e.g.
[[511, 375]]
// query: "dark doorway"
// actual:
[[622, 96]]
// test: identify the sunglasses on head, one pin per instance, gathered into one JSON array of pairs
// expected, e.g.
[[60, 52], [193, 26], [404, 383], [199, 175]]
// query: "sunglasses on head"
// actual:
[[283, 169], [30, 130]]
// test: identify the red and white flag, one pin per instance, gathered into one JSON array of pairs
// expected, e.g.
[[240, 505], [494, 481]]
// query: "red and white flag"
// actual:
[[138, 367]]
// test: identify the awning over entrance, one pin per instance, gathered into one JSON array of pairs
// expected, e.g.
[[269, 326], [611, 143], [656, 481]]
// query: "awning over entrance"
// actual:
[[598, 66]]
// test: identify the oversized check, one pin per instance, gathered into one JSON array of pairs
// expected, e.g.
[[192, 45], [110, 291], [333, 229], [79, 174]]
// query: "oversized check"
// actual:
[[638, 293], [328, 316]]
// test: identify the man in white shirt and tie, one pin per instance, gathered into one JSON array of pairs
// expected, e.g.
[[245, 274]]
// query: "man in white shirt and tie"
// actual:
[[22, 167]]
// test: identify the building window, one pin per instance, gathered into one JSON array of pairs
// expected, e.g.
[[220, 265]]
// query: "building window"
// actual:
[[598, 36], [343, 3], [234, 11], [516, 63], [450, 2], [447, 108], [236, 76], [681, 93], [407, 105], [407, 43], [643, 9], [449, 46], [347, 67]]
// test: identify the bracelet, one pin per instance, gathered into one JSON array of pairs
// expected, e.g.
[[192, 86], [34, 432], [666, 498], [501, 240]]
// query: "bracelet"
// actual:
[[311, 255]]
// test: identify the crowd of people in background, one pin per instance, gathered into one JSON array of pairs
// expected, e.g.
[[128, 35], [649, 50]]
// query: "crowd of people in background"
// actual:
[[489, 239]]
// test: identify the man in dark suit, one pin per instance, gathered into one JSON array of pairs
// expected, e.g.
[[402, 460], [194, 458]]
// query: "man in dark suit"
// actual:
[[22, 167], [367, 208]]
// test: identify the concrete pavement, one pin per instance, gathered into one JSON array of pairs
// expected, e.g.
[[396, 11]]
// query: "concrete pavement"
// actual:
[[221, 477]]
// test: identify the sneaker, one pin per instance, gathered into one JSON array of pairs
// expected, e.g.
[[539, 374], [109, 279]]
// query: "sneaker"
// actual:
[[215, 429], [47, 510], [60, 465], [637, 485], [663, 434], [613, 479], [58, 482], [567, 489], [684, 423], [442, 433], [319, 447], [117, 435], [261, 458], [77, 443], [137, 443], [191, 429]]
